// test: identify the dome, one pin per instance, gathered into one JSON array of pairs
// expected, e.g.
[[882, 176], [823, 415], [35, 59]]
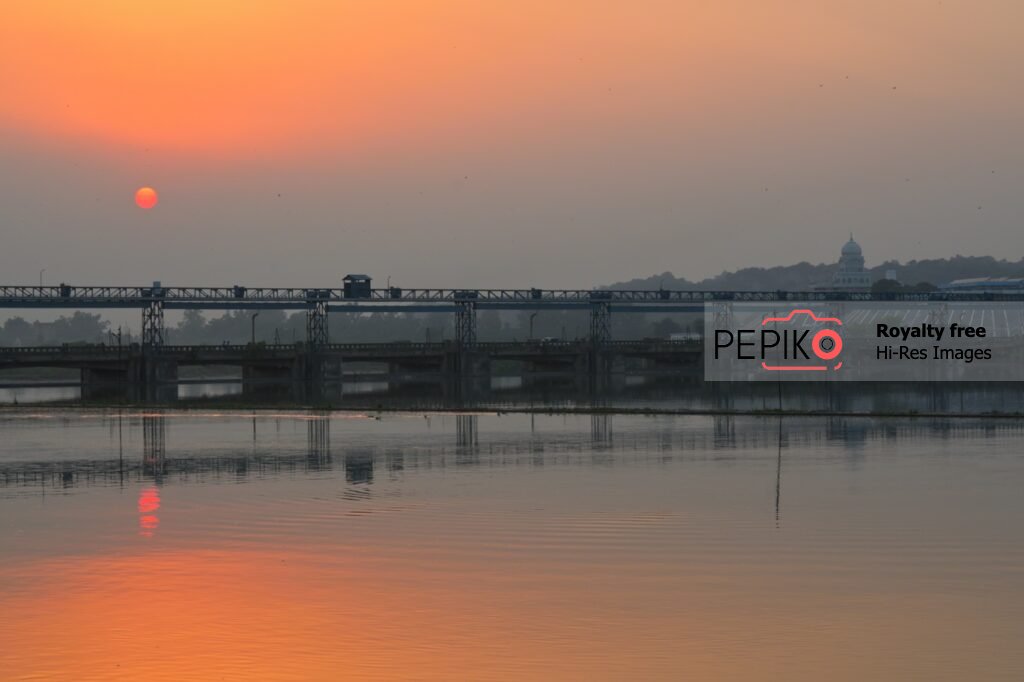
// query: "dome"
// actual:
[[851, 248]]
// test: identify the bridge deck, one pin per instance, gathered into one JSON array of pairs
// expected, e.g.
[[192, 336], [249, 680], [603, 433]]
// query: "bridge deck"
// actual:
[[431, 300]]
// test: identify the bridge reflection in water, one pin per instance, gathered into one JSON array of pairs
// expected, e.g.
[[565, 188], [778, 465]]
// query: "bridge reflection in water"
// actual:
[[456, 441]]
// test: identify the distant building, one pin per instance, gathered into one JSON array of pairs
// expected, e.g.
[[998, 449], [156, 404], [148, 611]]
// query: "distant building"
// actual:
[[991, 285], [851, 274]]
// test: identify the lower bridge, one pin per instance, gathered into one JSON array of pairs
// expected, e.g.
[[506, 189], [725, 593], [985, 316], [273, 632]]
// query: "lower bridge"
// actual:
[[102, 366]]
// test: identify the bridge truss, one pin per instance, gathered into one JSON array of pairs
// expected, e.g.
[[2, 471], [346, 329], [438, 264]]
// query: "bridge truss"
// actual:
[[154, 300]]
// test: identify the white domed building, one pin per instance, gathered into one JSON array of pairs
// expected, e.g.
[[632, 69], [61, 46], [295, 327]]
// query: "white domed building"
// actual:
[[851, 274]]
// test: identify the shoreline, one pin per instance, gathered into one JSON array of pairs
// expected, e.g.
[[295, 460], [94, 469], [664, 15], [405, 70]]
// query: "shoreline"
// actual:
[[242, 408]]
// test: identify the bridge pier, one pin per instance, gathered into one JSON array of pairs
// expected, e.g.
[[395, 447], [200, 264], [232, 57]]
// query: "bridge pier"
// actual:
[[305, 375], [104, 383], [606, 369], [138, 377], [263, 378], [157, 377], [466, 361]]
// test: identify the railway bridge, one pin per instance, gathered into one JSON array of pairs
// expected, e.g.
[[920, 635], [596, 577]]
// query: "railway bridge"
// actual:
[[153, 361]]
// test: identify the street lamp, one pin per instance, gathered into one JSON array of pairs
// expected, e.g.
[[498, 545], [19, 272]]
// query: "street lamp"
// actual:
[[253, 320], [532, 315], [41, 272]]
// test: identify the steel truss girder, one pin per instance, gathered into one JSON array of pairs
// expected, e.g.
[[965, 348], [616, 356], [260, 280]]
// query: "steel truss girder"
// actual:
[[70, 296]]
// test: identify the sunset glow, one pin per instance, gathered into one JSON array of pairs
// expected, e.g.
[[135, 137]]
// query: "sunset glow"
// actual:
[[234, 77], [463, 122], [146, 197], [563, 423]]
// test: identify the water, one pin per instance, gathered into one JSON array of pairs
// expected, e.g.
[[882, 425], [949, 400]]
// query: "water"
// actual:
[[651, 392], [296, 545]]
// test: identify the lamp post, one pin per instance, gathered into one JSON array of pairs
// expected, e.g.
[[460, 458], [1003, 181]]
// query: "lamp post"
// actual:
[[253, 320], [532, 315], [41, 273]]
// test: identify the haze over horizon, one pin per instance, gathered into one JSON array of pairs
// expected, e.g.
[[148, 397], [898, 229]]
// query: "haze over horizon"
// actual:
[[448, 144]]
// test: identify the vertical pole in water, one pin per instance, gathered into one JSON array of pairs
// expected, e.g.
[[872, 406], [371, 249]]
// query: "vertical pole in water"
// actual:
[[778, 475]]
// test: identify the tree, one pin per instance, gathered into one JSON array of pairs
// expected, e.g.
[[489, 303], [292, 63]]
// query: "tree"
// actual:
[[885, 286]]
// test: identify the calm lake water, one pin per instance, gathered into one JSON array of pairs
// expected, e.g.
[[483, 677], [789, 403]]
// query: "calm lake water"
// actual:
[[291, 546]]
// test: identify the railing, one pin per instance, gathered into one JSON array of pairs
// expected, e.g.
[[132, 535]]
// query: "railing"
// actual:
[[69, 296], [68, 349], [409, 346]]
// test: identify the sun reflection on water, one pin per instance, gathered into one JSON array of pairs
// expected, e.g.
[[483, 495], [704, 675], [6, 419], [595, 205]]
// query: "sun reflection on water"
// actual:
[[149, 502]]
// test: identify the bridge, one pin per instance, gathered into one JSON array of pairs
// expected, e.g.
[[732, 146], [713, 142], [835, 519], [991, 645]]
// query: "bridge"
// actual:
[[102, 366], [359, 297], [154, 362]]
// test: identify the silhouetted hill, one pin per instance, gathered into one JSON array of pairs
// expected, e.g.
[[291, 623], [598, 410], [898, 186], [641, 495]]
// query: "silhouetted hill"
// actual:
[[805, 275]]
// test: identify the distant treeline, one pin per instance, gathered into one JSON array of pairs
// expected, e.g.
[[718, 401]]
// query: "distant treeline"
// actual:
[[804, 275], [17, 331], [276, 326]]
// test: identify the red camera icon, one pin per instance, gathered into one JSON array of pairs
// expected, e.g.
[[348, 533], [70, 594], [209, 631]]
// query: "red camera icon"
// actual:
[[826, 344]]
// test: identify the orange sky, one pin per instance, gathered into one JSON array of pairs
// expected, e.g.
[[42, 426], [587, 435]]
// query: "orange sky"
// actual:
[[195, 75], [625, 125], [226, 75]]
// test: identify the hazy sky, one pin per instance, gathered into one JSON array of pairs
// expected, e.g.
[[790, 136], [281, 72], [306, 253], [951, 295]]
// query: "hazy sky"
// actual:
[[527, 143]]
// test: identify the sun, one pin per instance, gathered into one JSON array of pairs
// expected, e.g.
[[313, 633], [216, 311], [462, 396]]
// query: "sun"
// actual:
[[146, 197]]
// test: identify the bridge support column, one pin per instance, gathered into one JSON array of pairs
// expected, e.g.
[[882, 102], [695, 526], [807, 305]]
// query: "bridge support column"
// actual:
[[470, 367], [317, 335], [600, 335], [314, 367], [465, 323], [153, 372], [600, 323], [153, 325]]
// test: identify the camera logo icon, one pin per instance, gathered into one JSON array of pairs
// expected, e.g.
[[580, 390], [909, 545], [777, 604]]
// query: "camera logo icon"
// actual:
[[826, 343]]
